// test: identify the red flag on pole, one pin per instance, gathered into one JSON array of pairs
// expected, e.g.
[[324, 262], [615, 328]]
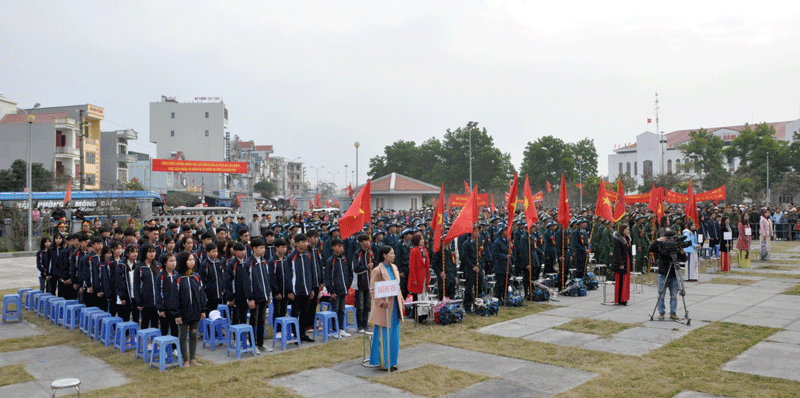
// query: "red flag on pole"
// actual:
[[466, 219], [691, 205], [531, 215], [466, 188], [604, 204], [655, 203], [438, 221], [619, 205], [549, 188], [350, 189], [563, 204], [493, 208], [359, 213], [649, 120], [68, 195], [511, 205]]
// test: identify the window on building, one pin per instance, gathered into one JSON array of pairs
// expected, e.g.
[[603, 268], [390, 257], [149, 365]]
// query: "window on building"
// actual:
[[647, 169], [60, 138], [628, 168], [636, 168], [173, 115], [413, 203], [206, 130], [90, 179], [669, 165], [90, 157], [620, 168], [206, 115], [677, 166], [785, 199], [122, 149], [172, 133]]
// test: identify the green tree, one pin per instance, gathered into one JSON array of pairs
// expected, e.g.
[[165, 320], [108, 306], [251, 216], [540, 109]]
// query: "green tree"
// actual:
[[134, 185], [491, 169], [14, 178], [704, 151], [400, 157], [266, 188], [587, 164], [752, 147], [546, 159]]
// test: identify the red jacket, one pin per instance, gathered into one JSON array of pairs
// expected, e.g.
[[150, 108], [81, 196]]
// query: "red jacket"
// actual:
[[419, 273]]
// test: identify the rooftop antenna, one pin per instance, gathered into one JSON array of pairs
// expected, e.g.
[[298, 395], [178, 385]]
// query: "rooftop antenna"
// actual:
[[661, 139]]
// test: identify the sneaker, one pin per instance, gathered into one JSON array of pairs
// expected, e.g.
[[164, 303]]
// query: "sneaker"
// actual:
[[265, 349], [256, 351], [306, 339], [360, 330], [661, 316], [344, 334], [673, 316], [278, 335]]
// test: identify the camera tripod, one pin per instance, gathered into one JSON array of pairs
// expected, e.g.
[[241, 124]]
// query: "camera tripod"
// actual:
[[681, 290]]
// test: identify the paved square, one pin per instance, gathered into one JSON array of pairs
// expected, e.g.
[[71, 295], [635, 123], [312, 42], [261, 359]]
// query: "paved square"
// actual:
[[768, 359]]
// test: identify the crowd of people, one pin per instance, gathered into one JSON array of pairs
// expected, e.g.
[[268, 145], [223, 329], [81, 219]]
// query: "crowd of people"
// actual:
[[171, 275]]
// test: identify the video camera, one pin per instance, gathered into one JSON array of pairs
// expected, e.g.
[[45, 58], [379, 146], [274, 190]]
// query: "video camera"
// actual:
[[674, 244]]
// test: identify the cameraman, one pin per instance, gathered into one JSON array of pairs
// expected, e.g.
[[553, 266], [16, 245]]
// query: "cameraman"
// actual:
[[668, 251]]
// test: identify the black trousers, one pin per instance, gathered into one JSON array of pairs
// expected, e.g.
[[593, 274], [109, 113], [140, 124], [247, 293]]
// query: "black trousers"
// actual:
[[127, 311], [211, 305], [149, 318], [239, 312], [300, 311], [469, 294], [168, 325], [257, 316], [311, 311], [500, 285]]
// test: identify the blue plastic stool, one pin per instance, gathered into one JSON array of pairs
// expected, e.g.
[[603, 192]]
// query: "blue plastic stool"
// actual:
[[106, 332], [29, 299], [8, 313], [94, 323], [324, 306], [23, 292], [121, 342], [239, 340], [215, 333], [201, 327], [286, 333], [54, 309], [349, 309], [326, 320], [39, 305], [225, 312], [60, 311], [85, 319], [72, 315], [163, 346], [143, 339]]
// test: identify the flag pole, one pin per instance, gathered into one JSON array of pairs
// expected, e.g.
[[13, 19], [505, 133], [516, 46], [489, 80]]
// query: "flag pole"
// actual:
[[530, 267], [563, 263]]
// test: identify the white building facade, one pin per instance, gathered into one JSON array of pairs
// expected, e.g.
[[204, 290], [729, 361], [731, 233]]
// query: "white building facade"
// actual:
[[650, 157]]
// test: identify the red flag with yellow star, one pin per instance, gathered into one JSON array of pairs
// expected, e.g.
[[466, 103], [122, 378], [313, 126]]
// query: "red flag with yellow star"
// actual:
[[438, 221], [619, 205], [465, 221], [359, 212], [511, 206], [531, 215], [563, 204], [604, 204]]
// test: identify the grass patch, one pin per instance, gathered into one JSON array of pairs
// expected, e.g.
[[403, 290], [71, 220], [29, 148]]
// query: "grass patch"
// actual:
[[794, 290], [730, 281], [431, 380], [14, 374], [764, 274], [594, 326], [778, 267]]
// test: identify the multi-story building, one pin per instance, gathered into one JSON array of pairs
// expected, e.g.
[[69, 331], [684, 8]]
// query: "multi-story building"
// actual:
[[55, 142], [288, 176], [649, 157], [115, 160], [197, 129], [88, 116]]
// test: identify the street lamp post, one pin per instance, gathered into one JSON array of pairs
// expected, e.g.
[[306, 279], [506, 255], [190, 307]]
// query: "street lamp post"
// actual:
[[768, 181], [357, 144], [316, 189], [470, 126], [345, 175], [580, 177], [28, 176]]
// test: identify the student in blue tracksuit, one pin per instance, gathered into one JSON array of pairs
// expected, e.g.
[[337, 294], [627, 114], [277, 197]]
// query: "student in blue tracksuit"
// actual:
[[338, 278], [164, 282], [276, 266], [212, 276], [187, 304], [260, 288], [144, 286], [237, 285], [298, 282], [59, 243], [123, 278], [43, 262]]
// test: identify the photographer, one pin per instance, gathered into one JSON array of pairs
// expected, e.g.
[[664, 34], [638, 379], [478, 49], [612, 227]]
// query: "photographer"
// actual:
[[668, 251]]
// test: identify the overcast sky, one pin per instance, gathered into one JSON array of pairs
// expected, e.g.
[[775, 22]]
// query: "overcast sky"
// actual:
[[313, 78]]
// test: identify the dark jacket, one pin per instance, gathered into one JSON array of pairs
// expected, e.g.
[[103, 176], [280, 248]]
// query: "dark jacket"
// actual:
[[500, 255], [622, 259], [237, 286], [187, 299], [664, 259], [259, 279], [144, 286], [43, 262], [469, 259], [360, 260], [298, 267], [163, 289], [123, 289], [213, 279], [338, 275], [276, 267]]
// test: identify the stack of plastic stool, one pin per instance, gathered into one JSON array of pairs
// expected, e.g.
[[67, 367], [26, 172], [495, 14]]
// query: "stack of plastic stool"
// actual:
[[107, 326], [144, 338], [121, 342]]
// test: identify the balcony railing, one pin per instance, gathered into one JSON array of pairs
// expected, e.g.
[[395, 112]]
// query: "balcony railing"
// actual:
[[68, 150], [126, 158]]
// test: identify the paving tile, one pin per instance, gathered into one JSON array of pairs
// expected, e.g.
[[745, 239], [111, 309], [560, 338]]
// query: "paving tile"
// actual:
[[653, 335], [541, 321], [616, 345], [511, 329], [562, 337], [572, 312], [13, 330], [539, 377], [768, 359], [24, 390], [695, 394], [786, 336], [369, 390], [309, 383], [497, 388], [758, 321]]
